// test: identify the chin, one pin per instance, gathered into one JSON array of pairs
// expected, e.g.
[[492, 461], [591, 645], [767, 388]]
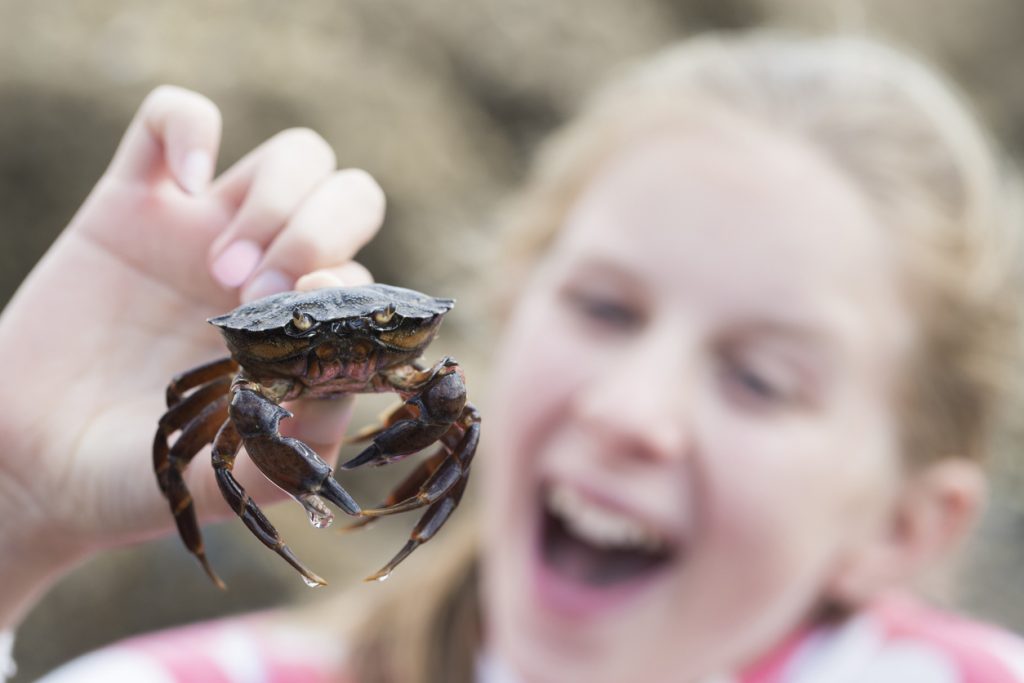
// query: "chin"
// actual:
[[570, 584]]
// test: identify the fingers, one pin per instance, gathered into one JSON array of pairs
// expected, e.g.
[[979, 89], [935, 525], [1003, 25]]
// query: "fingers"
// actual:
[[268, 184], [294, 214], [289, 212], [266, 187], [342, 215], [175, 134]]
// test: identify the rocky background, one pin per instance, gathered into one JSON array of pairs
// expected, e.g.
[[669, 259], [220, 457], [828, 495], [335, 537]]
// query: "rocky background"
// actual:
[[443, 101]]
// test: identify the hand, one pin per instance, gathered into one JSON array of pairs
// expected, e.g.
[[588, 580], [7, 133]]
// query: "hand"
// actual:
[[118, 306]]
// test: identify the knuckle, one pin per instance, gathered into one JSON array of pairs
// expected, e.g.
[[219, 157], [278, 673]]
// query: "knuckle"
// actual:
[[302, 252], [172, 101], [173, 95], [276, 206], [205, 107], [365, 188], [357, 205], [307, 143], [162, 93]]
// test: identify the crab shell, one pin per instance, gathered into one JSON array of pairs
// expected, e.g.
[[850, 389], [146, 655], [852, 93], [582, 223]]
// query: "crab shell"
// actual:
[[400, 321], [332, 304]]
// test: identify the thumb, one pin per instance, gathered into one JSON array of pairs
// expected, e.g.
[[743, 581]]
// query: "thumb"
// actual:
[[175, 133]]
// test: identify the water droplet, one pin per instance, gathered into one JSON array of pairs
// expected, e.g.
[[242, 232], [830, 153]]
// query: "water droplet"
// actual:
[[311, 583], [320, 515], [383, 577], [319, 520]]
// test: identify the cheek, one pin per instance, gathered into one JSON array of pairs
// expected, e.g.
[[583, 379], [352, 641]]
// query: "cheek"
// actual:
[[540, 368], [530, 384], [767, 535], [794, 492]]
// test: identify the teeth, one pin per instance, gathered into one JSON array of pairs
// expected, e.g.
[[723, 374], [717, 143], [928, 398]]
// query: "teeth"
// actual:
[[600, 526]]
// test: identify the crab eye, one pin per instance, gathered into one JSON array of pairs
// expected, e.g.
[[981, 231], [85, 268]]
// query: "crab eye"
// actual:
[[301, 321], [385, 315]]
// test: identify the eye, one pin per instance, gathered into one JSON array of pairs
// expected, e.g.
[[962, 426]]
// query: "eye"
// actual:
[[384, 316], [754, 388], [605, 311], [301, 321], [753, 383]]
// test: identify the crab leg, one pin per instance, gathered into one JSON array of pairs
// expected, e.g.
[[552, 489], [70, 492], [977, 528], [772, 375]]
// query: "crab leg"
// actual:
[[225, 450], [433, 519], [439, 474], [411, 484], [440, 398], [287, 462], [435, 409], [197, 376], [407, 488], [198, 416], [403, 411]]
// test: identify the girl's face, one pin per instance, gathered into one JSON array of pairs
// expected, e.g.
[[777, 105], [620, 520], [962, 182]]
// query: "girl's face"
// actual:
[[693, 433]]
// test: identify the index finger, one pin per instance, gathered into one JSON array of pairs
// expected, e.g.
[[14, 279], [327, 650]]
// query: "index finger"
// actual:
[[176, 133]]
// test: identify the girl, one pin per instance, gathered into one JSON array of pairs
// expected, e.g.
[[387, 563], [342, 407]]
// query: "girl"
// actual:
[[740, 406]]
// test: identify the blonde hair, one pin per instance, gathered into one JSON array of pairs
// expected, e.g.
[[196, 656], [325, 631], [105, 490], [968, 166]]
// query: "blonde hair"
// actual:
[[900, 134]]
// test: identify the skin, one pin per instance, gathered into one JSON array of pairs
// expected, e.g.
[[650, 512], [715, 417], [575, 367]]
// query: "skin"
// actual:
[[126, 286], [720, 369], [710, 346]]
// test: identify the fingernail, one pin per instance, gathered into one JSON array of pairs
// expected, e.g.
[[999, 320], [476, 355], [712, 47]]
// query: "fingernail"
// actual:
[[196, 171], [266, 283], [236, 263]]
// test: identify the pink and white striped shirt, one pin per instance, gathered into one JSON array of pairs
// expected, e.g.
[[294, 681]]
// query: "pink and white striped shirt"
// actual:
[[896, 640]]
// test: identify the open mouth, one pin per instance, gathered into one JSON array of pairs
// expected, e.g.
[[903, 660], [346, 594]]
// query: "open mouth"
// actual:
[[596, 546]]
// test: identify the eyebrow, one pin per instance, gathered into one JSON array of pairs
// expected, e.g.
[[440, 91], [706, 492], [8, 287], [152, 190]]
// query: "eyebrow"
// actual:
[[590, 264]]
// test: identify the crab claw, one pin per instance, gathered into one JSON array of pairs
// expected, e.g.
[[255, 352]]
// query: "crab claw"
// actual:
[[439, 402], [368, 454]]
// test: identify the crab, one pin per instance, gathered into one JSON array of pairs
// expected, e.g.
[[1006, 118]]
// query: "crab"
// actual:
[[322, 344]]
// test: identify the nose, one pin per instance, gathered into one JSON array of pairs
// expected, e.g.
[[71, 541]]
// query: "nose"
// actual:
[[642, 400]]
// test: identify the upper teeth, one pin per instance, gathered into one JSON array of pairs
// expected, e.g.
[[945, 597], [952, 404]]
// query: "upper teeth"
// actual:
[[600, 526]]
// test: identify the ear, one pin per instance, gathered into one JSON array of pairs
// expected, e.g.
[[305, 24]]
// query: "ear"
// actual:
[[933, 512]]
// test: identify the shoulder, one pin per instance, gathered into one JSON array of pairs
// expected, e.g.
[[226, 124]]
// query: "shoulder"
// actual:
[[263, 647], [900, 639]]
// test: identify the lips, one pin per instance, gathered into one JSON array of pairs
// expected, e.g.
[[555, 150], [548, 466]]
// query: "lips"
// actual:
[[593, 554]]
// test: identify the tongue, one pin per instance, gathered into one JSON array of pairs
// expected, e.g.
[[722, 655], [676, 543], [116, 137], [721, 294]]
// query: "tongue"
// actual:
[[577, 559]]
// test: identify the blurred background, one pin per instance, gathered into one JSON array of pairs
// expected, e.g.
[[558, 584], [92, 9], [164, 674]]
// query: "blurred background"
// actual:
[[444, 102]]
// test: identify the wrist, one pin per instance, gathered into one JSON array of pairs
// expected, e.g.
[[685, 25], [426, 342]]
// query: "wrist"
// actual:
[[25, 581], [32, 558]]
